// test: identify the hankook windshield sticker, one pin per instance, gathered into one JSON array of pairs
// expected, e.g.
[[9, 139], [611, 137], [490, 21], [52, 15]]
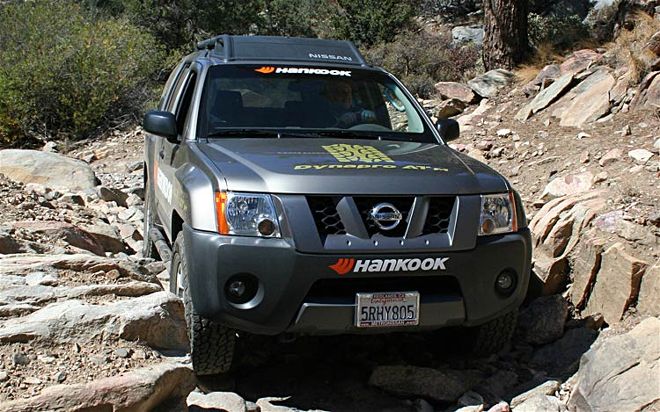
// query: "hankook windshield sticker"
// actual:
[[302, 70]]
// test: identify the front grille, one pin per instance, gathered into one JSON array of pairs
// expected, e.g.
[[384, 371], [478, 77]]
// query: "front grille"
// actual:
[[345, 288], [403, 204], [437, 219], [324, 210]]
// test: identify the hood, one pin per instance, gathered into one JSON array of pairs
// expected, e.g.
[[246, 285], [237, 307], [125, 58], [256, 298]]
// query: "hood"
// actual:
[[341, 166]]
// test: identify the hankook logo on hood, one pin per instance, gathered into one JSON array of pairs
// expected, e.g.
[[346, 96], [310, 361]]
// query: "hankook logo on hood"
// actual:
[[302, 70], [345, 265]]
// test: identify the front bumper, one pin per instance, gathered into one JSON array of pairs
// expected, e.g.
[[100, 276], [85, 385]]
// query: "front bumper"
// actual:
[[300, 293]]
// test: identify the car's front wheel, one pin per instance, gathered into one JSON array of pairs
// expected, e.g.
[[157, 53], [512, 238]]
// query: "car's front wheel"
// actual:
[[492, 336], [211, 344]]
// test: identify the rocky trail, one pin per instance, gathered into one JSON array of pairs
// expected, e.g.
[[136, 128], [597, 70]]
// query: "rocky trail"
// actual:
[[86, 323]]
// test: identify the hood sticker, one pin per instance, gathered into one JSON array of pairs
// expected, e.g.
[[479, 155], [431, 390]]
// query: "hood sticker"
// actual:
[[355, 156], [302, 70]]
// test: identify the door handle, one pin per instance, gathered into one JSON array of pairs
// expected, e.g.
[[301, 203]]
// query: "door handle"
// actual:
[[161, 153]]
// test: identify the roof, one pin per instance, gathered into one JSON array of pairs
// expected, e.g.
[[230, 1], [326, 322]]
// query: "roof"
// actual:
[[235, 48]]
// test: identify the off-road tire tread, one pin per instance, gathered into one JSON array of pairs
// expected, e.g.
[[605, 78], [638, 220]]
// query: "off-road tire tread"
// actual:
[[211, 344], [494, 335]]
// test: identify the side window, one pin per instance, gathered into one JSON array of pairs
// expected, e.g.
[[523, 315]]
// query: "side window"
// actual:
[[177, 90], [185, 103]]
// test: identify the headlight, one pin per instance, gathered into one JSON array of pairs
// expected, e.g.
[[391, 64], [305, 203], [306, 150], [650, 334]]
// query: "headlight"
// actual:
[[498, 214], [246, 214]]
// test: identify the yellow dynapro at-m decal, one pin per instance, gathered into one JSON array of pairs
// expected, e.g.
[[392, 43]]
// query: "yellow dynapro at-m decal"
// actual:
[[357, 153]]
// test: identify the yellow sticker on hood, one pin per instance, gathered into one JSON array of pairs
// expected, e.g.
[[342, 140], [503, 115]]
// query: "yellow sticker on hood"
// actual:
[[357, 153]]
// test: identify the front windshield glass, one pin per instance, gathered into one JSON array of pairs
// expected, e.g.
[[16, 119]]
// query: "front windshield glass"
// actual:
[[297, 99]]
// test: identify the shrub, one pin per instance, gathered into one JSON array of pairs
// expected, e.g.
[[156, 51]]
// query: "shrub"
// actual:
[[560, 30], [368, 22], [421, 59], [69, 78]]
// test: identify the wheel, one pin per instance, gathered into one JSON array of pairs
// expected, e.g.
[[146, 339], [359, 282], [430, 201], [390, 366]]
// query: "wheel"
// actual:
[[492, 336], [149, 250], [211, 344]]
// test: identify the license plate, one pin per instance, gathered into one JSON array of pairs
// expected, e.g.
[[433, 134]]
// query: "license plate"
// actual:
[[386, 309]]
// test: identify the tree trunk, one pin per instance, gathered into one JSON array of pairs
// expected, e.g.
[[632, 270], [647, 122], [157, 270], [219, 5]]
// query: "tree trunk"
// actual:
[[505, 39]]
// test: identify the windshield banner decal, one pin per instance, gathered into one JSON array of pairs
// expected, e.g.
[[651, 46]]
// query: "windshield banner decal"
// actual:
[[302, 70]]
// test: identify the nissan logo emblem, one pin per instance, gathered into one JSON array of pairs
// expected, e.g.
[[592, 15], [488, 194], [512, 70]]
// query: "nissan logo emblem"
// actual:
[[385, 216]]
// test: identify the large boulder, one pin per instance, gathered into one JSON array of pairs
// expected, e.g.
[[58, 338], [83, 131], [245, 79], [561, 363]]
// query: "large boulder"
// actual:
[[586, 263], [489, 84], [592, 100], [620, 373], [66, 232], [648, 301], [454, 90], [617, 283], [570, 184], [440, 385], [602, 18], [545, 97], [468, 34], [561, 358], [156, 319], [48, 169], [139, 390]]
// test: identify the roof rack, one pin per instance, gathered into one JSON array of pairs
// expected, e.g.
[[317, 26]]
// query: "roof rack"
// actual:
[[275, 48]]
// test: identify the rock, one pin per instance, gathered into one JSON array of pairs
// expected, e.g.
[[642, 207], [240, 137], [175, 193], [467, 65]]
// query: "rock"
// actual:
[[586, 264], [439, 385], [488, 84], [504, 132], [466, 34], [471, 119], [540, 403], [600, 177], [640, 155], [113, 195], [654, 44], [545, 97], [548, 388], [470, 398], [223, 401], [67, 232], [106, 236], [610, 157], [454, 90], [579, 61], [500, 407], [561, 357], [139, 390], [648, 301], [543, 320], [648, 92], [568, 185], [30, 380], [19, 359], [601, 19], [551, 272], [122, 353], [266, 405], [449, 108], [8, 243], [49, 169], [617, 284], [620, 373], [4, 376], [592, 103], [156, 319]]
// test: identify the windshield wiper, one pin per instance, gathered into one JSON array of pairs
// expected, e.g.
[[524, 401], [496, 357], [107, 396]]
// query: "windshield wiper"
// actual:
[[259, 133]]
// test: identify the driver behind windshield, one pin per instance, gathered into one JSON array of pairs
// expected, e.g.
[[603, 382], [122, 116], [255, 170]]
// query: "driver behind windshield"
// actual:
[[339, 95]]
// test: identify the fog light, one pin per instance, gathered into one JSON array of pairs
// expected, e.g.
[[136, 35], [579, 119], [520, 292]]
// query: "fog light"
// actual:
[[241, 288], [505, 282], [266, 227]]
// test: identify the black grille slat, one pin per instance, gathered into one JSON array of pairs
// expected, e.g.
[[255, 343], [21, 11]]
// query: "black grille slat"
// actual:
[[438, 216], [403, 204], [324, 210]]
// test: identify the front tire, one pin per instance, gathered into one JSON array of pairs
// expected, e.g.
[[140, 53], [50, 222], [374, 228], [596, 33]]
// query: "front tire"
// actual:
[[211, 344], [492, 336]]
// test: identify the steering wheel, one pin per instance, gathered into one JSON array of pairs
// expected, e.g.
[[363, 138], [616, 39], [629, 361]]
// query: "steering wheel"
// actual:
[[370, 127]]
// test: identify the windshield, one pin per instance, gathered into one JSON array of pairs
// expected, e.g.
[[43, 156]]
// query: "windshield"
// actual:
[[305, 102]]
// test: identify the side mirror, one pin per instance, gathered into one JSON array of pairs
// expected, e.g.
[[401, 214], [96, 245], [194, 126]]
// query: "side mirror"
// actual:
[[161, 124], [448, 129]]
